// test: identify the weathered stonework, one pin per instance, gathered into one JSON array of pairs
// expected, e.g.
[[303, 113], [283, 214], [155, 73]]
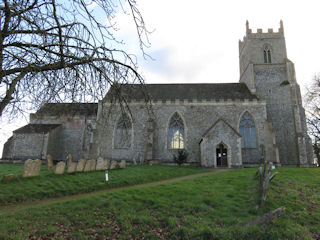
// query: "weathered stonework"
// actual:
[[49, 162], [102, 164], [122, 164], [80, 165], [60, 167], [114, 165], [90, 165], [72, 167], [31, 168], [210, 116]]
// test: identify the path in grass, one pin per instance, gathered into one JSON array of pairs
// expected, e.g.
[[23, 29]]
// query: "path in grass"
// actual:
[[21, 206]]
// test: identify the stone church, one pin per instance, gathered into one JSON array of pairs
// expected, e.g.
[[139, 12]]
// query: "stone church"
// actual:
[[217, 124]]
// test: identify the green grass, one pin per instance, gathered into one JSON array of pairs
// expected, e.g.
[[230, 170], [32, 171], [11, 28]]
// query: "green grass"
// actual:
[[50, 185], [208, 207]]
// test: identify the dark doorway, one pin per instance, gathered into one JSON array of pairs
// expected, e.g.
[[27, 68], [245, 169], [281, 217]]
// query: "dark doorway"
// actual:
[[222, 157]]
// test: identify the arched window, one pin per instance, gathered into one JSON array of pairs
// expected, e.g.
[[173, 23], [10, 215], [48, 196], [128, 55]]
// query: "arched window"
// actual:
[[123, 132], [267, 54], [248, 131], [176, 132]]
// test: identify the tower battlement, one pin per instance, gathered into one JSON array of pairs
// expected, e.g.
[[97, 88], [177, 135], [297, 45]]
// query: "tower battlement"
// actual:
[[270, 33]]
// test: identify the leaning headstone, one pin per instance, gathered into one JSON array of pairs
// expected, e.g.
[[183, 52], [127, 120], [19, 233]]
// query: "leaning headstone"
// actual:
[[31, 168], [90, 165], [9, 178], [69, 159], [80, 165], [60, 167], [122, 164], [49, 162], [114, 165], [72, 167], [101, 164], [134, 161]]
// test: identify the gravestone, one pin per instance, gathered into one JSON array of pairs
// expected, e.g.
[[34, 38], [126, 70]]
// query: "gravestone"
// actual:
[[31, 168], [80, 165], [49, 162], [69, 159], [114, 165], [122, 164], [72, 167], [107, 163], [60, 167], [102, 164], [9, 178], [90, 165]]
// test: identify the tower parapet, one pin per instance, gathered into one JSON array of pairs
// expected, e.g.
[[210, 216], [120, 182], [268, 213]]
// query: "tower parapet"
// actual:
[[270, 33]]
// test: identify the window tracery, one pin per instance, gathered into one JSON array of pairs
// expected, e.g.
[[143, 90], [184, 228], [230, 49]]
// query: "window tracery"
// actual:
[[176, 134], [267, 54], [123, 132], [248, 131]]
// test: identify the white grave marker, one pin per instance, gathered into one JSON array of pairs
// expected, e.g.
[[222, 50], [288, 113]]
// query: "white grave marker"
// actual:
[[107, 177]]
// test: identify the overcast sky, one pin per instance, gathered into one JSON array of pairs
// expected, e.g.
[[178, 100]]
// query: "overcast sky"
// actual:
[[197, 41]]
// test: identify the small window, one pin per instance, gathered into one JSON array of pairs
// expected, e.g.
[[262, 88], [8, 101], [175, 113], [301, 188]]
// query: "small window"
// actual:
[[176, 132], [247, 130], [123, 133], [267, 54]]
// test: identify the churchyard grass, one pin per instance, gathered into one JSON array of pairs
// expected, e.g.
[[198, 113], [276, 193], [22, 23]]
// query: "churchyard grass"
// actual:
[[207, 207], [50, 185]]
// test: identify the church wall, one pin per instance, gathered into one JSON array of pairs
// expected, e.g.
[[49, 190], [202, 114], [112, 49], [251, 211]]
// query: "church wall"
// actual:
[[70, 138], [271, 84], [197, 117], [54, 144], [8, 149], [33, 146]]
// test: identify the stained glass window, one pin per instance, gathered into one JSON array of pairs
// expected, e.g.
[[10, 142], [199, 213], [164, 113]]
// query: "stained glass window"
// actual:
[[176, 132], [248, 131], [123, 132]]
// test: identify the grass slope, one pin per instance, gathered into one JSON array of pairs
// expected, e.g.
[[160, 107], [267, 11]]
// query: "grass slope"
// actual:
[[209, 207], [50, 185]]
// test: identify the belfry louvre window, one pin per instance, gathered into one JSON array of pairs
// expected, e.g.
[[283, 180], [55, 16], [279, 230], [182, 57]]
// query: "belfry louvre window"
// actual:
[[123, 133], [247, 131], [267, 54], [176, 137]]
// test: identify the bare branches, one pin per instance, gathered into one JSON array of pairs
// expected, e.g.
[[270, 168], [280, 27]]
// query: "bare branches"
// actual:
[[313, 113], [55, 50]]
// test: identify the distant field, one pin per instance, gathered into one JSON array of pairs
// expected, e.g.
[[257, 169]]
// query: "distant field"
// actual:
[[50, 185], [207, 207]]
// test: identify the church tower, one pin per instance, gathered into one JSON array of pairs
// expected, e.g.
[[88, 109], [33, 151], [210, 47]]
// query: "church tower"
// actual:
[[266, 70]]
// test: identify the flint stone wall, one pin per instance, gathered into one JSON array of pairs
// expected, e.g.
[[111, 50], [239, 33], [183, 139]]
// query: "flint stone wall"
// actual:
[[197, 117]]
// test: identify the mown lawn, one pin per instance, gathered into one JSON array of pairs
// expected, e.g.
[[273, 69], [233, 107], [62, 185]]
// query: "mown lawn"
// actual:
[[50, 185], [208, 207]]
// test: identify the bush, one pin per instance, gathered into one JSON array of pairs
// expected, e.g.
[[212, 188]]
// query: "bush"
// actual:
[[181, 158]]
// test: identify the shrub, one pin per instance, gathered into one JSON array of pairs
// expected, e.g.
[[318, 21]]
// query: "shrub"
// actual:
[[181, 158]]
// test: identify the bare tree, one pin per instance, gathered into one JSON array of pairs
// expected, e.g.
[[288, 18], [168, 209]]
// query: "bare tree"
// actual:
[[313, 114], [57, 50]]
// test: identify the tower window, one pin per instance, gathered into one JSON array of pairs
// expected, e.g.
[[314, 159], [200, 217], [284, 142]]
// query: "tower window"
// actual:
[[267, 54]]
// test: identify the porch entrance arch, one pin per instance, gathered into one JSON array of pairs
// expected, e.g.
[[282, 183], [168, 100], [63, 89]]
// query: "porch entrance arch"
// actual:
[[222, 155]]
